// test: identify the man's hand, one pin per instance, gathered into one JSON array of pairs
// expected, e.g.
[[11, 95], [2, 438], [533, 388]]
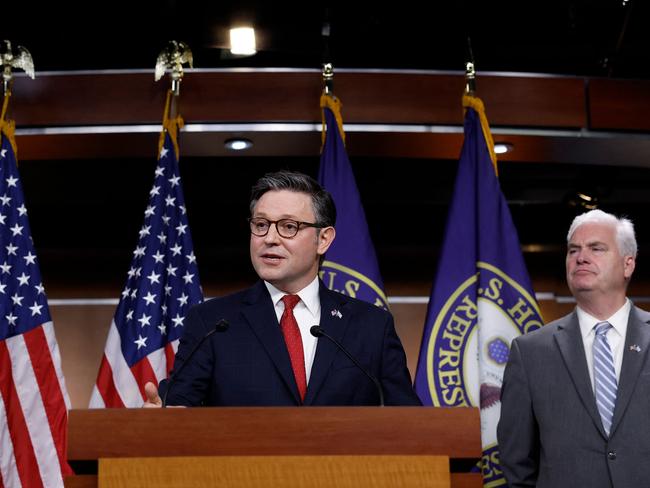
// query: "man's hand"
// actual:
[[153, 399]]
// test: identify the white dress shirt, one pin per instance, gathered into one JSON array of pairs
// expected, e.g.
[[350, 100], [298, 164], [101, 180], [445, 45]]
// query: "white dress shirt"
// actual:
[[615, 336], [307, 313]]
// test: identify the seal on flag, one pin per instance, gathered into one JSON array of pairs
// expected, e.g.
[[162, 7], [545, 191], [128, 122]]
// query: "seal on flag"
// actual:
[[350, 282]]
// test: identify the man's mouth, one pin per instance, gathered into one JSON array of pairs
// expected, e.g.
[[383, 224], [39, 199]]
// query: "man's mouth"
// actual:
[[272, 257], [583, 272]]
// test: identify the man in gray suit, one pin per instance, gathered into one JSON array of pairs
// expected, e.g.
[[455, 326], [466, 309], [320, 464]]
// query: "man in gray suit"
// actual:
[[575, 401]]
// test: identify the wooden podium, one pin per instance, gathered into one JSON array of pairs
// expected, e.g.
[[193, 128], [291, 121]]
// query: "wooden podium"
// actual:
[[404, 446]]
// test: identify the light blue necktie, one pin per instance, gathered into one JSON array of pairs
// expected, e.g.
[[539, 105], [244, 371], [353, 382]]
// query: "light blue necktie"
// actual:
[[605, 384]]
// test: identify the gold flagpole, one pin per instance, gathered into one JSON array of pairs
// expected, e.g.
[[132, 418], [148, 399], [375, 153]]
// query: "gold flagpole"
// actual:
[[172, 57], [21, 59]]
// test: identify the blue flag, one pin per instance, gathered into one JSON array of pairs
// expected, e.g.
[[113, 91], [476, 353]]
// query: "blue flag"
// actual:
[[162, 284], [481, 297], [351, 265]]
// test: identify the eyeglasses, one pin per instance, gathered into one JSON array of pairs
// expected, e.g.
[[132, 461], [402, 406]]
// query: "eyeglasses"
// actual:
[[287, 228]]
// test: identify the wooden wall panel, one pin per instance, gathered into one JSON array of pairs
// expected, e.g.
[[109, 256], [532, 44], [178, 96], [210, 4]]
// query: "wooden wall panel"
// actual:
[[293, 96], [619, 104]]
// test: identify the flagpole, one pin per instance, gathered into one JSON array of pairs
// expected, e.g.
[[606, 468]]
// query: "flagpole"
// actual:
[[471, 100], [468, 328], [33, 421], [163, 280], [21, 59], [172, 57], [350, 265], [330, 101], [9, 59], [470, 73]]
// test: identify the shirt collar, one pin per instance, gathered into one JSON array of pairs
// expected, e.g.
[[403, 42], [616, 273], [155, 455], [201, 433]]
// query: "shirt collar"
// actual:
[[308, 295], [618, 320]]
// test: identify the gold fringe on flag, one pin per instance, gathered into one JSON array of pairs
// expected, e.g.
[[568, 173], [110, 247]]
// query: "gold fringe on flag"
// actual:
[[171, 126], [334, 104], [8, 127], [470, 101]]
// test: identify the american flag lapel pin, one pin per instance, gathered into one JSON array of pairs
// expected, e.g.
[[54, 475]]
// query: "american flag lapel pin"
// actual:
[[336, 313], [635, 348]]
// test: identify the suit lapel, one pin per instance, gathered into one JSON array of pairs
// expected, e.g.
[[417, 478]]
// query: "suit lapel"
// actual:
[[334, 320], [569, 340], [635, 353], [260, 314]]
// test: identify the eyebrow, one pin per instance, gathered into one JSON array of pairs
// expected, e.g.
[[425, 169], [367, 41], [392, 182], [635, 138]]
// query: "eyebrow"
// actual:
[[573, 245], [282, 217]]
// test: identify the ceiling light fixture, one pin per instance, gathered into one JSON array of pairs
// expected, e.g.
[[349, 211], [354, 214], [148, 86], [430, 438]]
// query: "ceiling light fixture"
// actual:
[[242, 41], [503, 147], [238, 144], [583, 200]]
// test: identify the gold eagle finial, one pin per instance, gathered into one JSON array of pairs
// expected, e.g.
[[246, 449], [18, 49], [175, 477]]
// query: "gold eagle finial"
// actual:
[[20, 59], [173, 56]]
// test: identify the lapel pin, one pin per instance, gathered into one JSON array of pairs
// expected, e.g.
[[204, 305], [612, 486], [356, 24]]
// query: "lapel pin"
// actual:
[[635, 348], [336, 313]]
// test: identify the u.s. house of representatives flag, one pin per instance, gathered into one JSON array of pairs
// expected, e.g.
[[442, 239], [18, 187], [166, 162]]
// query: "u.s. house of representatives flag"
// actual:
[[481, 297], [163, 282], [33, 398], [350, 265]]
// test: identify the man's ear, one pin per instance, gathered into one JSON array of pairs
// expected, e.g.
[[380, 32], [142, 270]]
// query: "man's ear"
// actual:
[[629, 263], [325, 238]]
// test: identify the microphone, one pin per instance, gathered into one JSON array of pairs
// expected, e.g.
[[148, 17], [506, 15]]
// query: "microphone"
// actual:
[[220, 326], [317, 331]]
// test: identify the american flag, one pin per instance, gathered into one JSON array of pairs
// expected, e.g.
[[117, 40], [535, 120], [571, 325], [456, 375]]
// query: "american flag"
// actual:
[[163, 282], [33, 398]]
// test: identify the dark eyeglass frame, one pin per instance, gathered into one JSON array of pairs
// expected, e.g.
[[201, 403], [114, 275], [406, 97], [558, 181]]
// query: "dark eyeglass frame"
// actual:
[[299, 225]]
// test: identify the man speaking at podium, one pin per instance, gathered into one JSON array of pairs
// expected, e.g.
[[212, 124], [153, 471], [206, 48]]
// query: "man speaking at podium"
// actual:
[[255, 348]]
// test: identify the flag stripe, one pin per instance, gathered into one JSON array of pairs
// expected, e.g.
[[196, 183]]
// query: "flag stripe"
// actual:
[[158, 363], [145, 373], [53, 346], [50, 391], [123, 385], [32, 401], [105, 386], [21, 442], [96, 398], [8, 471]]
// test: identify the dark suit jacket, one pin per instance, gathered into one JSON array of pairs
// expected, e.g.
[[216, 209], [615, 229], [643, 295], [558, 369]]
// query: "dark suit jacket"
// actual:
[[248, 364], [550, 433]]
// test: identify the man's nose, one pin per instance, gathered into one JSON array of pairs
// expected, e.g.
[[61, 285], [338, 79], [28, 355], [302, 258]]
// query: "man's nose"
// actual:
[[272, 235], [581, 256]]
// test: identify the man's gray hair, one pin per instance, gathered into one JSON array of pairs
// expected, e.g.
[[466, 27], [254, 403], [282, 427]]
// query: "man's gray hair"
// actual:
[[625, 238]]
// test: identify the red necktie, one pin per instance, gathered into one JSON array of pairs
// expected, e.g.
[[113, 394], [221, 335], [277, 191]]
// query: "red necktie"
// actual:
[[293, 339]]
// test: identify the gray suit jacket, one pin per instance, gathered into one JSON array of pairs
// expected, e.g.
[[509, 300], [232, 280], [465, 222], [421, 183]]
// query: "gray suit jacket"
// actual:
[[550, 433]]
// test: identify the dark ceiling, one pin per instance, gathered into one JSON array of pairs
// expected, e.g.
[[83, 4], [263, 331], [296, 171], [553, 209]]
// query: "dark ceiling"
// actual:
[[571, 37], [86, 216]]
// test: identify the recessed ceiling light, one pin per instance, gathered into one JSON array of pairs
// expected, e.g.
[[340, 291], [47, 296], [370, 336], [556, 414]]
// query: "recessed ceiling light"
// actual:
[[503, 147], [238, 144], [242, 41]]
